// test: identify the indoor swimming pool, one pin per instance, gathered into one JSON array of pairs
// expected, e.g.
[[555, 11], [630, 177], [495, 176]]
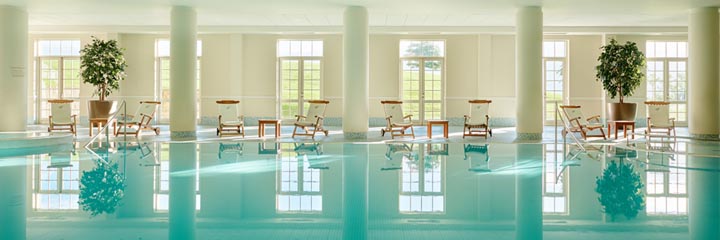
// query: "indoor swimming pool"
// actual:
[[240, 189]]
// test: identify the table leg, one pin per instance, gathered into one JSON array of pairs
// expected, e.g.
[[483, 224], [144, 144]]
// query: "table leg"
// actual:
[[429, 130], [616, 130], [277, 130], [445, 130], [261, 130], [633, 131]]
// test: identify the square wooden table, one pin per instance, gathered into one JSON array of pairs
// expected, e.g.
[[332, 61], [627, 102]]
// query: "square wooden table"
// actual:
[[99, 122], [444, 123], [624, 125], [263, 122]]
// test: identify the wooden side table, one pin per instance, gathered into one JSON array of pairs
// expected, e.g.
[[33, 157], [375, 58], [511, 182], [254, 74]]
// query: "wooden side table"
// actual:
[[263, 122], [99, 122], [624, 125], [444, 123]]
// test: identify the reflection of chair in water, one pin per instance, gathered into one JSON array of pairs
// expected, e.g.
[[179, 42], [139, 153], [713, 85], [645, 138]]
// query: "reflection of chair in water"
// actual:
[[61, 116], [658, 156], [262, 149], [310, 152], [397, 123], [147, 158], [576, 122], [478, 119], [61, 159], [478, 156], [438, 149], [405, 150], [312, 122], [230, 152]]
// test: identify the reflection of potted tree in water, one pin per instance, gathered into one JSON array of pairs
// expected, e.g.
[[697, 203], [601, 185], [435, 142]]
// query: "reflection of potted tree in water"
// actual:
[[101, 189], [620, 190]]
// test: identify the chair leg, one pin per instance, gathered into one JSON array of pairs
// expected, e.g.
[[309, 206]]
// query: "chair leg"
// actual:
[[243, 130], [412, 130], [294, 130], [382, 132]]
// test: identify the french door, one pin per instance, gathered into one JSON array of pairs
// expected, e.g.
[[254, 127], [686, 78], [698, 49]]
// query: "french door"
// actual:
[[59, 77], [299, 82], [422, 87], [667, 81]]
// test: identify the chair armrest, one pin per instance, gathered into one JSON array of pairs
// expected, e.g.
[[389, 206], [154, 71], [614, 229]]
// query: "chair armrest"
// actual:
[[144, 122], [320, 117], [487, 120], [597, 117], [50, 120], [408, 117], [298, 117], [74, 117]]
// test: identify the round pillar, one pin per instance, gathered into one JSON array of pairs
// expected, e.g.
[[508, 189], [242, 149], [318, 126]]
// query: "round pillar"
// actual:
[[528, 73], [183, 60], [355, 73], [13, 200], [13, 68], [703, 73]]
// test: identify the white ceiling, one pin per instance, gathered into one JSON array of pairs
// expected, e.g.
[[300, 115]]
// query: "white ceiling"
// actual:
[[382, 13]]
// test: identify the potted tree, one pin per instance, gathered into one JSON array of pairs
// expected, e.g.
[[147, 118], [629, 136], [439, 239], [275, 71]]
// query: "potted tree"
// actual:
[[102, 65], [621, 72]]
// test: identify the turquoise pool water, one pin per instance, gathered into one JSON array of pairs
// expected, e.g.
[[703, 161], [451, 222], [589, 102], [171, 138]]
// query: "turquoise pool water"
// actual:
[[400, 190]]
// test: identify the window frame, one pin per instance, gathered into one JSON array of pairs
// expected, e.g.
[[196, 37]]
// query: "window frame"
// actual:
[[565, 81], [419, 118]]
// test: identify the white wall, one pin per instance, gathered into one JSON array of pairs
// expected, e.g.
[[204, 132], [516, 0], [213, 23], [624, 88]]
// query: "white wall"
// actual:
[[244, 67]]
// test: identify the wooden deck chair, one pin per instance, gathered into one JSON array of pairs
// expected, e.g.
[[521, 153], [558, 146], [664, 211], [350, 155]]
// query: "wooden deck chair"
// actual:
[[658, 117], [478, 122], [133, 124], [312, 122], [229, 119], [61, 117], [396, 121], [578, 123]]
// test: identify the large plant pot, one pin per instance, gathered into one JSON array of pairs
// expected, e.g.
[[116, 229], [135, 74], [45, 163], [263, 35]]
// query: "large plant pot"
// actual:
[[621, 111], [101, 109]]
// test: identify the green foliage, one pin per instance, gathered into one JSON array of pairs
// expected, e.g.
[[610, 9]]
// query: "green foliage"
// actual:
[[620, 190], [621, 68], [102, 64], [101, 189]]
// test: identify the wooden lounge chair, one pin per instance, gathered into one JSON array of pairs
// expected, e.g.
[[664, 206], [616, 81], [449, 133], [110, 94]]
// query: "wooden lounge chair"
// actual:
[[397, 123], [576, 122], [312, 122], [478, 122], [133, 124], [61, 117], [658, 117], [229, 119]]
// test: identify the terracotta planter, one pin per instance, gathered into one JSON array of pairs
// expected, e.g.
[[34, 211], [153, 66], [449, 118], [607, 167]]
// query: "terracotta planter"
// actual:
[[621, 111], [101, 109]]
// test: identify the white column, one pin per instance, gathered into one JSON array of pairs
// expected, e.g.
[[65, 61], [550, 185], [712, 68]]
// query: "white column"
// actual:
[[183, 57], [528, 73], [13, 68], [13, 200], [528, 192], [182, 191], [355, 73], [355, 191], [703, 73]]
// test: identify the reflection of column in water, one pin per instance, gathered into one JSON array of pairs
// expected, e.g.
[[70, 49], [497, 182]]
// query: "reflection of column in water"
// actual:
[[182, 190], [528, 192], [13, 174], [355, 191], [703, 196]]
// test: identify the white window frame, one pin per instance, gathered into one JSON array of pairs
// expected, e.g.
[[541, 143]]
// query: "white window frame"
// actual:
[[675, 165], [302, 101], [419, 170], [162, 174], [40, 168], [666, 78], [554, 171], [420, 116], [565, 84], [40, 100]]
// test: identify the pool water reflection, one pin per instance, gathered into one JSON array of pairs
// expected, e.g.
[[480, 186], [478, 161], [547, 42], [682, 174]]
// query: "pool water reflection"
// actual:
[[269, 190]]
